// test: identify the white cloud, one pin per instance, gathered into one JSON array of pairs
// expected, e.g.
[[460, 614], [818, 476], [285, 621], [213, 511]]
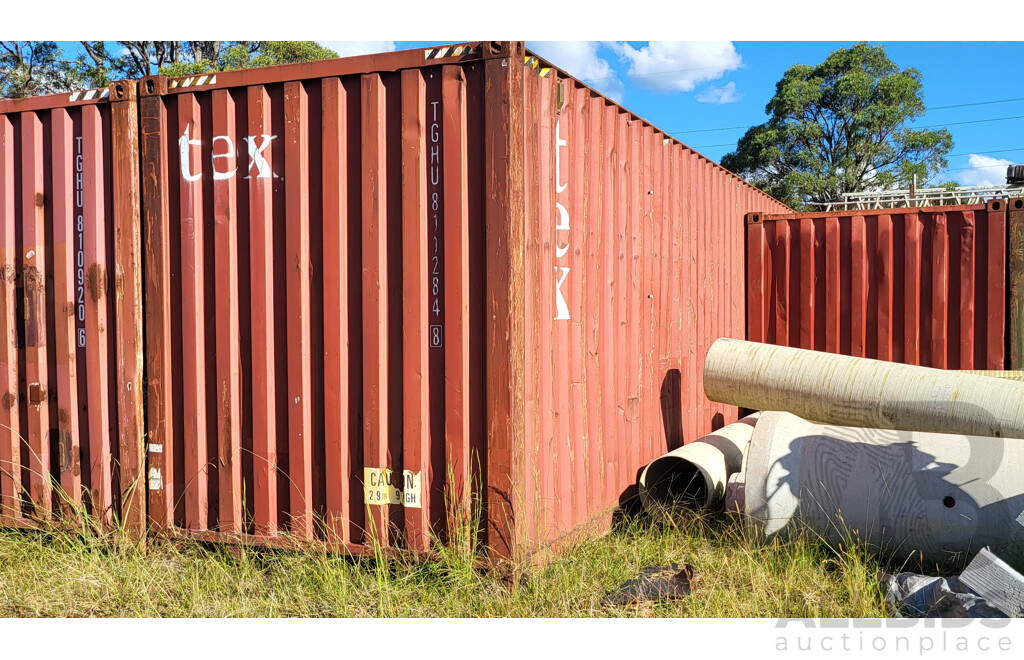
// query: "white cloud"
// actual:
[[349, 48], [987, 171], [580, 59], [678, 66], [724, 94]]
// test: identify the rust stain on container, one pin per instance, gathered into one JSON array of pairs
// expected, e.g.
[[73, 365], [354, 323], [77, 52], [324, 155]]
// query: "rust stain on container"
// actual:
[[921, 286], [36, 394], [61, 153], [34, 305], [97, 282]]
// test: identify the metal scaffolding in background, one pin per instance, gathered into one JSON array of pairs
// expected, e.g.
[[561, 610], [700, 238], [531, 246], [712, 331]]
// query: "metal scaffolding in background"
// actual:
[[908, 197]]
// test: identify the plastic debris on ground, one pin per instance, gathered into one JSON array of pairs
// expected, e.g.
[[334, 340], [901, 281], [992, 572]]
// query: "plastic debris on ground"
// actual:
[[988, 588]]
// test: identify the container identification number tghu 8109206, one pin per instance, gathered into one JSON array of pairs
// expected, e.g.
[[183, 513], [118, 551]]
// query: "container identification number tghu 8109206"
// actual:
[[79, 243]]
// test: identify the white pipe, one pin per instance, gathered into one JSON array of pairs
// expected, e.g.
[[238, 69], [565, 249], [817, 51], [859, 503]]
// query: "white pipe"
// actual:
[[844, 390], [697, 472], [930, 496]]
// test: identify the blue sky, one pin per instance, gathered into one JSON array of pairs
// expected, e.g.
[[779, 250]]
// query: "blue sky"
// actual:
[[694, 88], [690, 88]]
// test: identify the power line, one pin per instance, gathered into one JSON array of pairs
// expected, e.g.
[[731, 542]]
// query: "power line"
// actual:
[[982, 153], [973, 121], [980, 167], [967, 105], [938, 107], [708, 146], [712, 130], [966, 153]]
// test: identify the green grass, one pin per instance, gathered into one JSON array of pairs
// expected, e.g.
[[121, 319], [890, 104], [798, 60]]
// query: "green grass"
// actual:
[[55, 574]]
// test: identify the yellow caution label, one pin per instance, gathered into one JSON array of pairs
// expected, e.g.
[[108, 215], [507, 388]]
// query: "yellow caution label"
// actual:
[[411, 496], [377, 487]]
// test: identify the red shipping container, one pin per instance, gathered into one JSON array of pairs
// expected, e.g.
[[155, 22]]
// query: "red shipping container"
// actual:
[[925, 286], [71, 418], [380, 289]]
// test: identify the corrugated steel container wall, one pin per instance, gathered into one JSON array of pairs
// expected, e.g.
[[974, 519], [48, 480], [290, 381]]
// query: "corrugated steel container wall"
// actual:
[[365, 267], [70, 323], [1015, 282], [925, 286], [633, 267], [310, 245]]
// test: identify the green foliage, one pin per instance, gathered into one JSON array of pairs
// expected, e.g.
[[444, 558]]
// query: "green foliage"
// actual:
[[29, 68], [840, 127], [249, 55], [286, 52]]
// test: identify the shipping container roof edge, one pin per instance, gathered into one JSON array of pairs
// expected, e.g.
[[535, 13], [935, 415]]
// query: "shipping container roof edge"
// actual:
[[342, 66], [390, 61], [541, 62], [992, 205], [67, 99]]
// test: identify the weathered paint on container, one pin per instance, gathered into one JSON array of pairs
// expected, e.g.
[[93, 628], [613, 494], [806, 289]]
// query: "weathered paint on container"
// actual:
[[404, 283], [632, 269], [318, 218], [1015, 266], [923, 286], [71, 420]]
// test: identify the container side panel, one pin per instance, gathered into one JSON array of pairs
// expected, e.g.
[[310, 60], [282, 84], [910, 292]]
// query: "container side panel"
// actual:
[[547, 503], [228, 362], [262, 151], [858, 290], [917, 285], [590, 387], [996, 286], [70, 313], [622, 294], [535, 340], [63, 232], [375, 307], [454, 327], [1015, 285], [962, 352], [415, 308], [504, 221], [127, 287], [10, 419], [95, 238], [159, 317], [33, 278], [577, 438], [395, 340], [634, 261], [609, 286], [939, 307], [297, 264], [884, 267], [336, 260], [193, 324], [477, 194]]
